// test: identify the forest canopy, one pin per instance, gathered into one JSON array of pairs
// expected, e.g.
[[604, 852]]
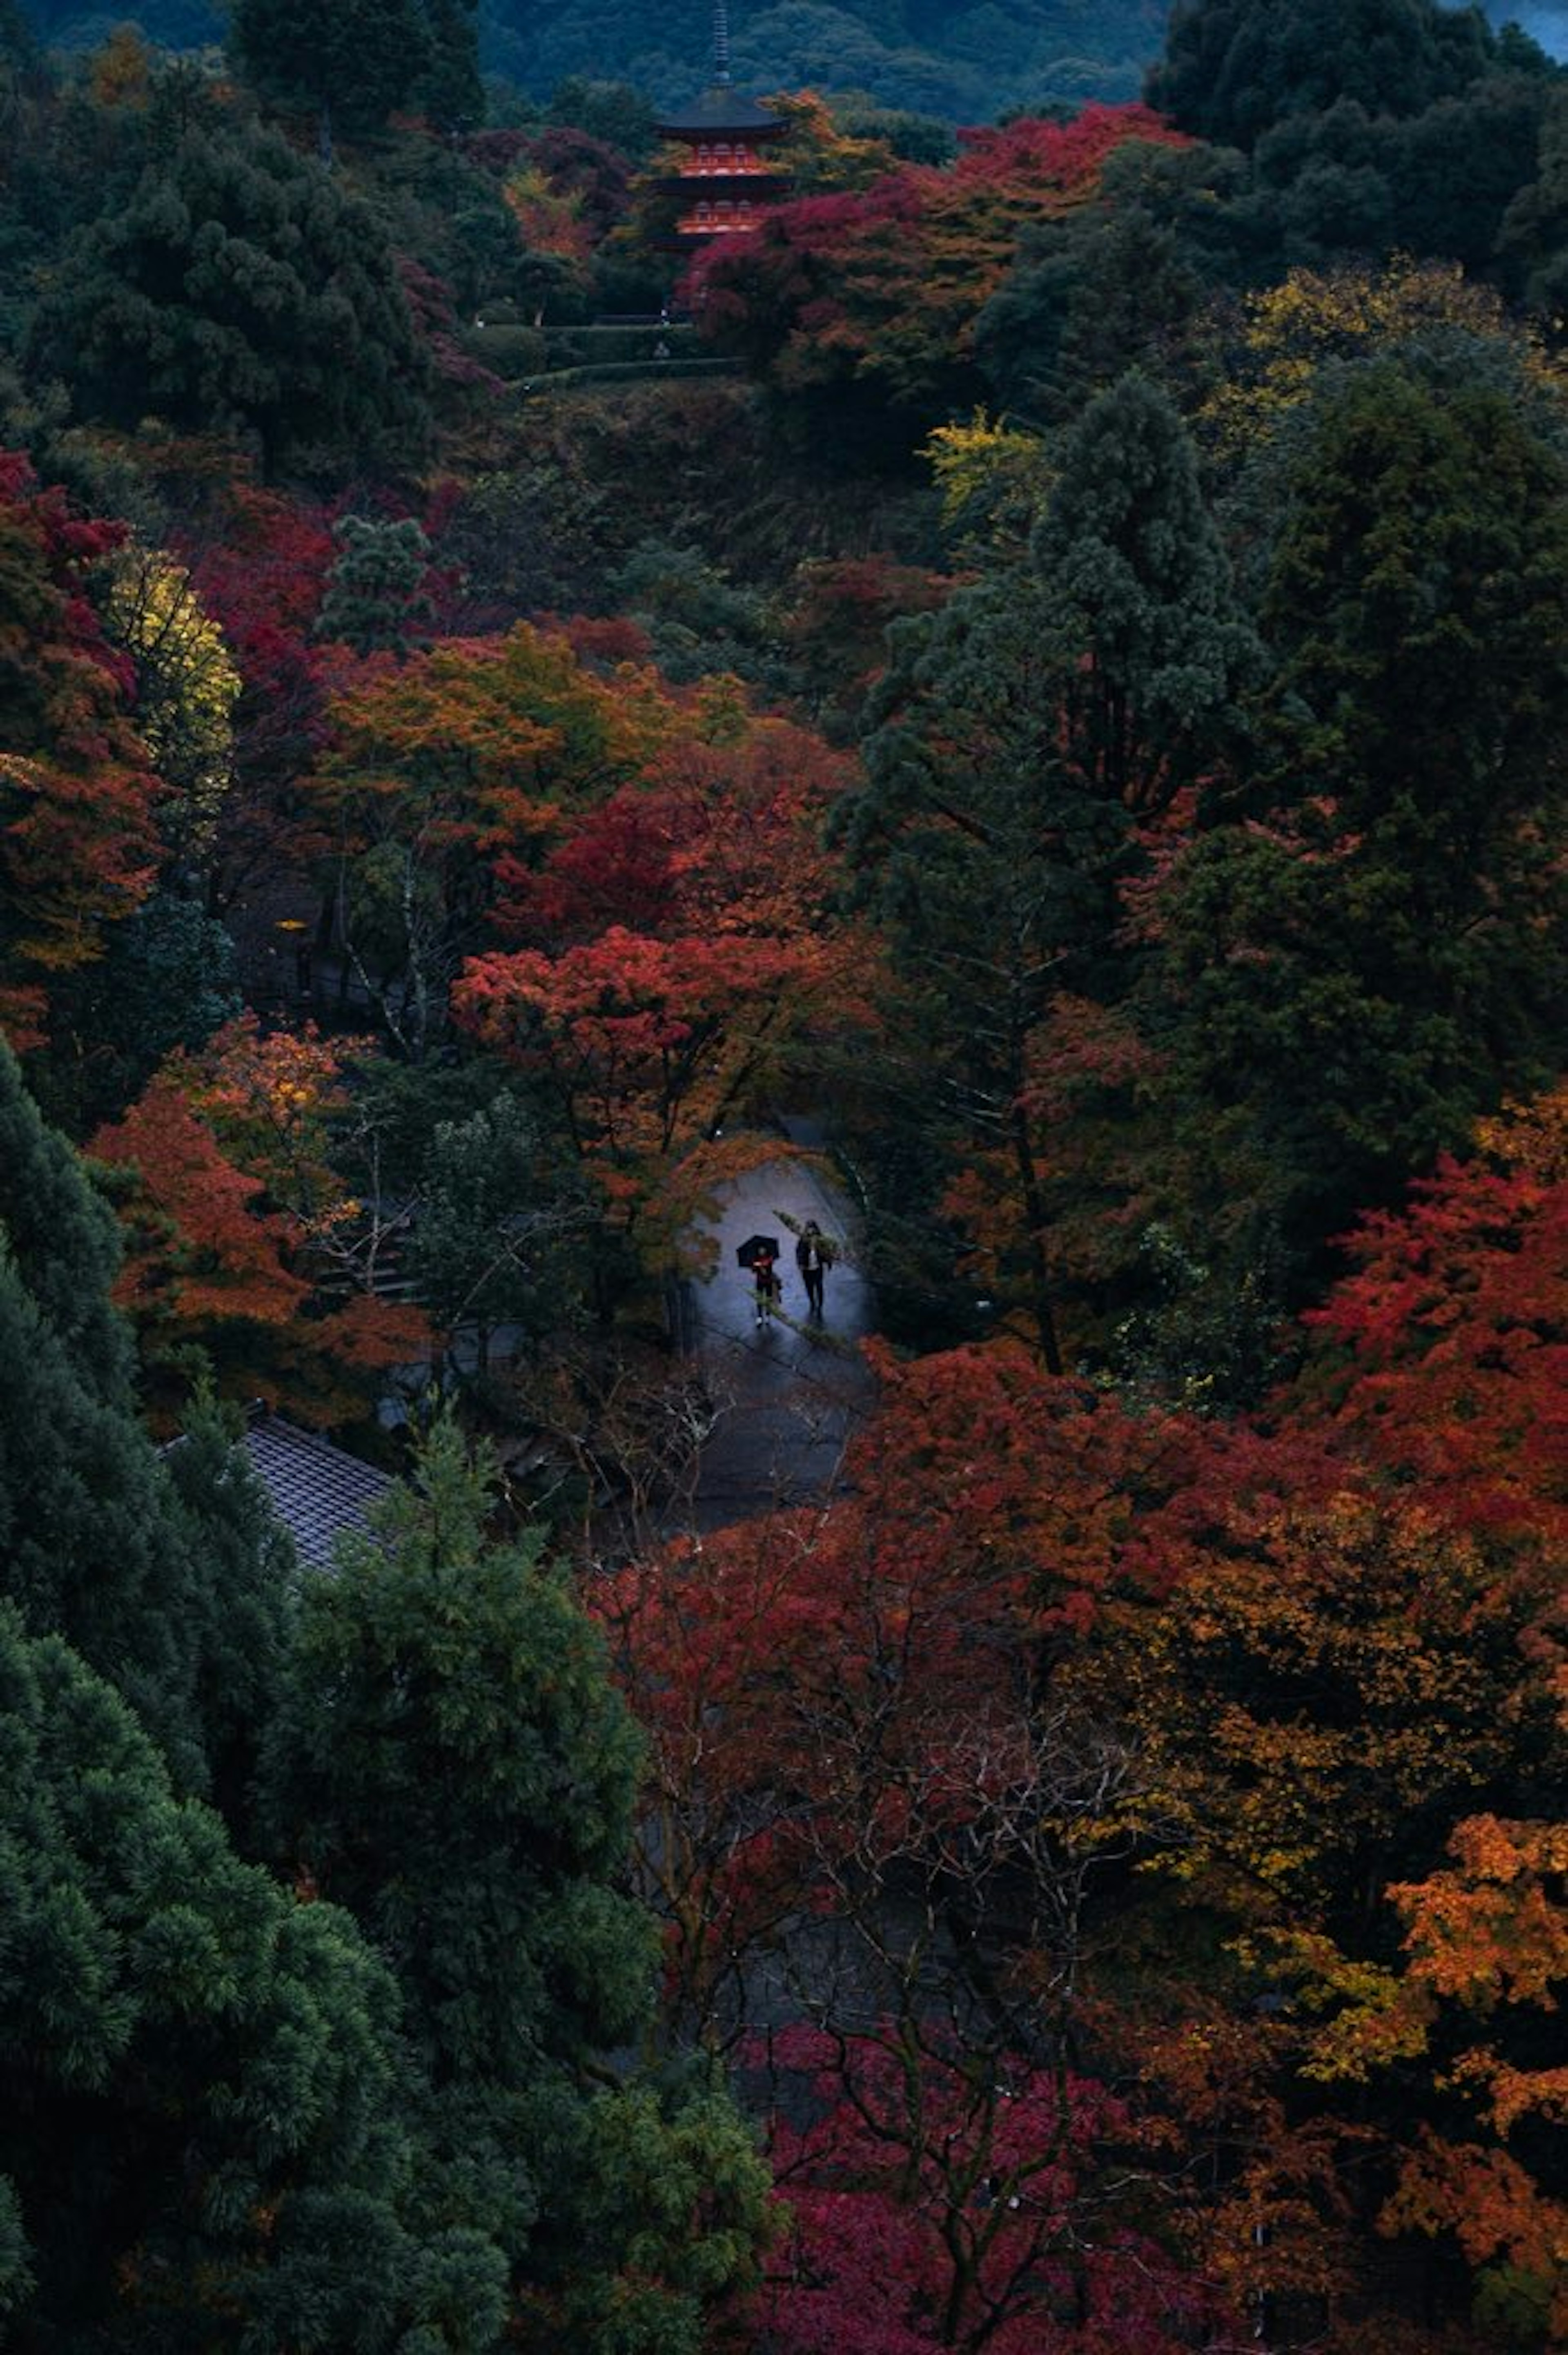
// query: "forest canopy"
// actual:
[[783, 1181]]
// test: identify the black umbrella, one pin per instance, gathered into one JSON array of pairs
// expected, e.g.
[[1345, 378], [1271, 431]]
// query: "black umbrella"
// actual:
[[758, 1247]]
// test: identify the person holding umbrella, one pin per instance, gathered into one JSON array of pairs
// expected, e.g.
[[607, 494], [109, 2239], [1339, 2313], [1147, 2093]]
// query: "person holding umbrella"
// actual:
[[760, 1254]]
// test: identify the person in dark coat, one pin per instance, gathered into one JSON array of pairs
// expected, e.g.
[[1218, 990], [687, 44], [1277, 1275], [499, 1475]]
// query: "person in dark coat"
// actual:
[[811, 1257], [764, 1276]]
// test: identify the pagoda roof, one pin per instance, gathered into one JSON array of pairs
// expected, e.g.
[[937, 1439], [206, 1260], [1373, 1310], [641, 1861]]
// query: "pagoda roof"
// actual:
[[721, 108]]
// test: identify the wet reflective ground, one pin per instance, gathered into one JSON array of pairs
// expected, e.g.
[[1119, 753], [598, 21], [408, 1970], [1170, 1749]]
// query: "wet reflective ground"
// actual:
[[792, 1389]]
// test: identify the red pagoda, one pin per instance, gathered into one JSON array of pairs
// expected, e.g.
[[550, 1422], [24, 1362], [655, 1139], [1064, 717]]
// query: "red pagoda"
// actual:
[[726, 179]]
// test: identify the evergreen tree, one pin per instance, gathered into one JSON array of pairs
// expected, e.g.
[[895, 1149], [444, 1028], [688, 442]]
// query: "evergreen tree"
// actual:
[[1232, 68], [449, 91], [1343, 984], [1029, 728], [240, 289], [492, 1242], [200, 2143], [1419, 603], [452, 1765], [376, 597], [1142, 602], [168, 1583], [987, 853], [345, 62], [166, 979], [1088, 299]]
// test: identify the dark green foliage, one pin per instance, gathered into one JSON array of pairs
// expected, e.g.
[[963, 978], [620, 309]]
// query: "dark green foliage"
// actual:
[[197, 2076], [989, 856], [61, 1244], [1533, 239], [168, 1582], [1420, 604], [452, 1764], [1343, 988], [486, 1250], [1092, 300], [218, 1513], [351, 61], [376, 598], [1233, 68], [448, 92], [1439, 183], [1141, 600], [166, 979], [240, 289], [697, 621], [1033, 725], [964, 61], [621, 115]]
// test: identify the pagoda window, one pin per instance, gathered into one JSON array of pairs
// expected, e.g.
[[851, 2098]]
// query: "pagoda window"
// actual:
[[704, 211]]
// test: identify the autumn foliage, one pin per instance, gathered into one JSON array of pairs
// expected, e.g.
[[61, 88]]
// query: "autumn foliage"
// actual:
[[78, 792], [1454, 1326], [885, 286], [243, 1238]]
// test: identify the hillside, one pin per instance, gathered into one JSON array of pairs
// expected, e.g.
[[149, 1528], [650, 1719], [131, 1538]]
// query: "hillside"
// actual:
[[810, 892], [964, 63], [968, 62]]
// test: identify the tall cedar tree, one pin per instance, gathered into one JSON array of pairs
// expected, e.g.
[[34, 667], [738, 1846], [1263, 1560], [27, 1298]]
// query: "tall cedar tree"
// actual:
[[1033, 726], [1233, 68], [1373, 954], [450, 1762], [200, 2085], [240, 289], [165, 1581], [1140, 591]]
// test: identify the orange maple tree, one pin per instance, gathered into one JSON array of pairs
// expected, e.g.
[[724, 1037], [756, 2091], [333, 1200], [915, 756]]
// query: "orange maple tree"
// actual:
[[243, 1242], [692, 950], [439, 764]]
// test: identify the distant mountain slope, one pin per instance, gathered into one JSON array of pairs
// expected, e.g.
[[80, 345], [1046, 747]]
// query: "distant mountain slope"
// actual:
[[967, 59], [940, 57], [963, 58]]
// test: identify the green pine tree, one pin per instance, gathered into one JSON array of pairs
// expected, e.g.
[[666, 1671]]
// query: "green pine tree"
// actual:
[[239, 288], [202, 2145], [1141, 600], [165, 1573], [375, 598], [453, 1765]]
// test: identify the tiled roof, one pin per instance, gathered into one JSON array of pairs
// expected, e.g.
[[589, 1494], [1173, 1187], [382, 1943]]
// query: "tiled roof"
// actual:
[[723, 110], [318, 1492]]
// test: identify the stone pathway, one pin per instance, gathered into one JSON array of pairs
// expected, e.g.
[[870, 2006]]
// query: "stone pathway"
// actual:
[[793, 1392]]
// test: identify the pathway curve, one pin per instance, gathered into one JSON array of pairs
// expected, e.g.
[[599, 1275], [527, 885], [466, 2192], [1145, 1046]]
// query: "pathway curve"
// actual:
[[791, 1393]]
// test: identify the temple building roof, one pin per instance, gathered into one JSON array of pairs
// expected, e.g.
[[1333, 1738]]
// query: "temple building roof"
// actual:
[[721, 108], [318, 1492]]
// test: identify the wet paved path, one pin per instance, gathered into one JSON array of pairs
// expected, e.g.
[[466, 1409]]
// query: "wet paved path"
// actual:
[[792, 1393]]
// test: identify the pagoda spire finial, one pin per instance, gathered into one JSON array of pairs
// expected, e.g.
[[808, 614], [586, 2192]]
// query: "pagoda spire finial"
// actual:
[[721, 45]]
